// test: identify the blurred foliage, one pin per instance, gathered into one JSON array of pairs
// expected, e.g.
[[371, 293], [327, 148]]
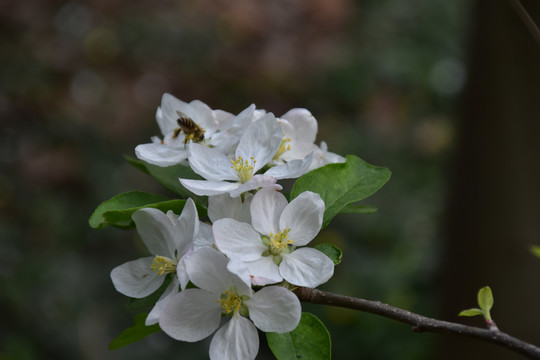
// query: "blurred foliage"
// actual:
[[79, 86]]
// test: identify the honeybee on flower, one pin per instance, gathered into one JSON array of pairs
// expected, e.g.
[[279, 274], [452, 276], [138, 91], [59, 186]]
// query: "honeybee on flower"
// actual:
[[190, 128]]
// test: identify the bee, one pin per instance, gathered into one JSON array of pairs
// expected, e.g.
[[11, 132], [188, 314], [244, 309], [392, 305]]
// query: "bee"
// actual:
[[189, 127]]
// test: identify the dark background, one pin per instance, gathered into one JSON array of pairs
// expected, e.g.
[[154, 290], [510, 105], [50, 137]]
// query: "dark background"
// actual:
[[444, 93]]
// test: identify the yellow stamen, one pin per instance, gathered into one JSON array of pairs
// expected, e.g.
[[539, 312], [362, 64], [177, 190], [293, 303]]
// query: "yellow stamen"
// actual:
[[279, 241], [163, 265], [283, 147], [230, 301], [244, 168]]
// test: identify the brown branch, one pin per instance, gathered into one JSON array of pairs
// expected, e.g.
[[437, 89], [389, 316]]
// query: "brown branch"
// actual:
[[419, 323], [526, 18]]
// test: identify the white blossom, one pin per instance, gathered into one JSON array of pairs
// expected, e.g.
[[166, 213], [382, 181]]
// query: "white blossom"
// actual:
[[299, 132], [169, 239], [256, 148], [267, 250], [172, 150], [221, 130], [194, 314]]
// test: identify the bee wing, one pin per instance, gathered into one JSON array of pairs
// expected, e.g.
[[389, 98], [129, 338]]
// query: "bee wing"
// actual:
[[181, 114]]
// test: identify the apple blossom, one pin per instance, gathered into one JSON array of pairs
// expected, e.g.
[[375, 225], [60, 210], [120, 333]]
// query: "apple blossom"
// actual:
[[171, 150], [299, 132], [168, 238], [256, 148], [194, 314], [221, 130], [268, 246]]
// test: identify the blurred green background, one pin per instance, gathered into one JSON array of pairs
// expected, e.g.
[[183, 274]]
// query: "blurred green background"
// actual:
[[401, 84]]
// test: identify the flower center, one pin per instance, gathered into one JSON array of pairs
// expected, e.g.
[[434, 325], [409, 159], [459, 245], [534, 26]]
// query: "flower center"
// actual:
[[279, 242], [244, 168], [230, 301], [283, 147], [163, 265]]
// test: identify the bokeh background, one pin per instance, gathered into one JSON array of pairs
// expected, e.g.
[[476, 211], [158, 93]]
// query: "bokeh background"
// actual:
[[444, 93]]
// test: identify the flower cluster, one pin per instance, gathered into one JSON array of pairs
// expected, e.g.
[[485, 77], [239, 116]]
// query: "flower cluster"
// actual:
[[243, 265]]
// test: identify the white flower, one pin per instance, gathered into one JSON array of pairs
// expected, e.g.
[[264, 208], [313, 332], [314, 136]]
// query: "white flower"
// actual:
[[322, 157], [194, 314], [268, 247], [222, 130], [256, 148], [168, 238], [172, 150], [299, 132]]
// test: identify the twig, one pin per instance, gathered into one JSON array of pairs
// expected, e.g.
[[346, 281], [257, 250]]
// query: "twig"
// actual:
[[526, 18], [419, 323]]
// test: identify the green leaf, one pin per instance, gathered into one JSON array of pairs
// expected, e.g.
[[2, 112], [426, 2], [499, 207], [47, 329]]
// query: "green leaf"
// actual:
[[332, 251], [358, 209], [342, 184], [117, 211], [485, 299], [168, 177], [135, 333], [310, 340], [535, 250], [128, 200], [471, 312]]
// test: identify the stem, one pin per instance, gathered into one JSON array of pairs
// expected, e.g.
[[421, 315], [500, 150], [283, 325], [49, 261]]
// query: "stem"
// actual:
[[419, 323], [491, 325], [526, 18]]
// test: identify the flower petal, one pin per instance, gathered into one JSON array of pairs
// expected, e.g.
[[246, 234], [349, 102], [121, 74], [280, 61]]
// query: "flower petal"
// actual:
[[191, 315], [238, 240], [208, 188], [260, 141], [196, 110], [240, 269], [156, 230], [210, 163], [135, 278], [224, 206], [186, 227], [256, 182], [203, 116], [227, 140], [323, 156], [303, 122], [237, 339], [205, 237], [304, 216], [291, 170], [153, 316], [274, 309], [181, 272], [300, 150], [207, 268], [160, 154], [264, 271], [266, 209], [166, 114], [306, 267], [223, 118]]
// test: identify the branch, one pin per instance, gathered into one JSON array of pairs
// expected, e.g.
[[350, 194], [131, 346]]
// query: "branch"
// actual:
[[419, 323], [526, 18]]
